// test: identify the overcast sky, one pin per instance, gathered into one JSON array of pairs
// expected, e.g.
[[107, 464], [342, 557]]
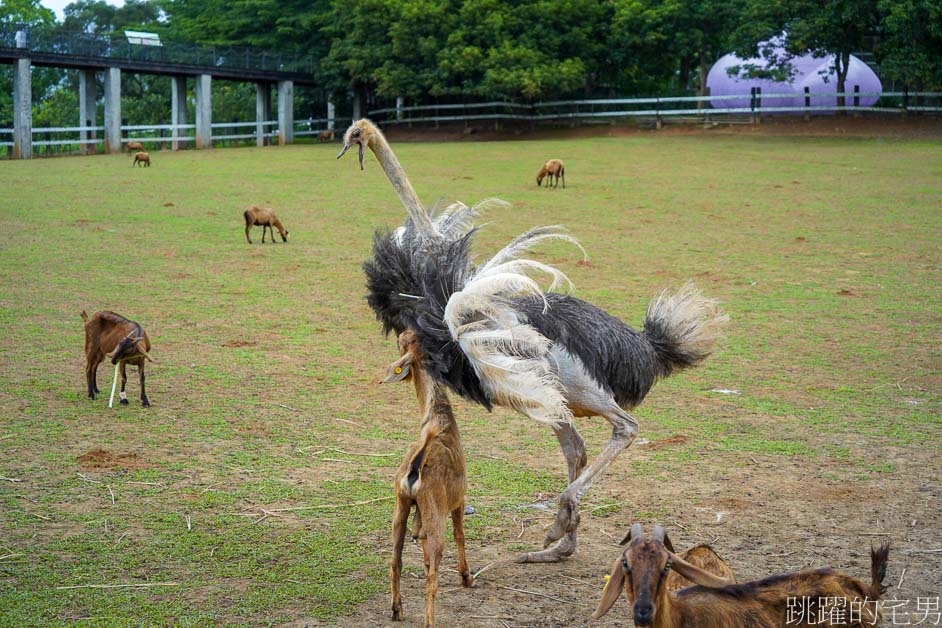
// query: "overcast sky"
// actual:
[[58, 5]]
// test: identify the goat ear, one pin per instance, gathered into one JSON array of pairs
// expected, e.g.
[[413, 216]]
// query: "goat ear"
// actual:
[[668, 544], [613, 589], [697, 575], [399, 370]]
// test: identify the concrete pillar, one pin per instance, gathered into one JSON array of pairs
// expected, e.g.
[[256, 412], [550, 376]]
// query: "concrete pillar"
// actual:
[[331, 113], [177, 109], [262, 112], [113, 110], [87, 113], [357, 106], [285, 112], [204, 111], [22, 110]]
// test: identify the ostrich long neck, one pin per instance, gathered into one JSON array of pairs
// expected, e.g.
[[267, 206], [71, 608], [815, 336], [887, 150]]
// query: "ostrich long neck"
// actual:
[[433, 400], [400, 182]]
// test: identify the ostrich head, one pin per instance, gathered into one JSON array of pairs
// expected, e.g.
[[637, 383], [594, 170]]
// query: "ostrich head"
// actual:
[[363, 133]]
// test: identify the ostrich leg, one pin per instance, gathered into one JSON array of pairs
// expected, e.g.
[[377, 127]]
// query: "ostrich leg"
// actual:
[[561, 538]]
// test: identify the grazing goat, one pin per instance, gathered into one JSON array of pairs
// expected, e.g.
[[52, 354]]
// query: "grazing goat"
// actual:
[[325, 136], [432, 477], [142, 158], [124, 341], [794, 600], [133, 146], [552, 168], [264, 216]]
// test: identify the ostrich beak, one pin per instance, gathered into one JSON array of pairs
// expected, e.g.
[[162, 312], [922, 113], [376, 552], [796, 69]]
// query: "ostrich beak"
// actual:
[[347, 147]]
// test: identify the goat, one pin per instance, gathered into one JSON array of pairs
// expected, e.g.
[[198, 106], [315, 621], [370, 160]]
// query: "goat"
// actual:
[[325, 136], [141, 157], [133, 146], [122, 340], [267, 219], [432, 478], [794, 600], [702, 556], [552, 168]]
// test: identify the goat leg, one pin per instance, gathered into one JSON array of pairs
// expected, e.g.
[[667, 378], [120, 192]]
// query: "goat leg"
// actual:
[[124, 382], [400, 519], [457, 524], [140, 370], [562, 534]]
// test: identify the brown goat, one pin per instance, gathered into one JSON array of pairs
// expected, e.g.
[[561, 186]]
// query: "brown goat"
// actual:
[[265, 217], [133, 146], [142, 158], [122, 340], [432, 478], [552, 168], [795, 600], [325, 136]]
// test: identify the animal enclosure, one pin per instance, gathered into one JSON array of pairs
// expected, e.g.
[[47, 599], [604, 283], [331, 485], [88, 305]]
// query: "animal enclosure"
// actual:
[[257, 488]]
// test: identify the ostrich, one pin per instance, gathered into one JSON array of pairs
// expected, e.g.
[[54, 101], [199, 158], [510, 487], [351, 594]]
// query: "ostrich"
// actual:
[[495, 337]]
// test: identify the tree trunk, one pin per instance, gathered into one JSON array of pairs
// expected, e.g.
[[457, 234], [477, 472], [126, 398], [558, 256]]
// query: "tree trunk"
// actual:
[[703, 78], [842, 60], [684, 72]]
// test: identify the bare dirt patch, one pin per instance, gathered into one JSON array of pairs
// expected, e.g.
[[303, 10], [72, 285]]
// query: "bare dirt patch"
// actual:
[[100, 459]]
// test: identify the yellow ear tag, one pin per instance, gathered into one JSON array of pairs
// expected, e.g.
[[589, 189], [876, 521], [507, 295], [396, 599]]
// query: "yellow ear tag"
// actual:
[[607, 578], [398, 370]]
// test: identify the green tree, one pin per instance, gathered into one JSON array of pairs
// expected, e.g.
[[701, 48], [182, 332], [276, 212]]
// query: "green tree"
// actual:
[[910, 49], [818, 27]]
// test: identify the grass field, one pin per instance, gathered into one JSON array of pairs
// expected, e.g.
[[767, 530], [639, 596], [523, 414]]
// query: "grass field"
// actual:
[[256, 489]]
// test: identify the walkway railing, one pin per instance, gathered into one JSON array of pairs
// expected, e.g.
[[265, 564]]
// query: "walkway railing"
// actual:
[[76, 44]]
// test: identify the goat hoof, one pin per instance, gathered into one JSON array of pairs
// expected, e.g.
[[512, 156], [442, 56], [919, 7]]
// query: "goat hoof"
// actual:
[[397, 614], [145, 403], [123, 402], [467, 580]]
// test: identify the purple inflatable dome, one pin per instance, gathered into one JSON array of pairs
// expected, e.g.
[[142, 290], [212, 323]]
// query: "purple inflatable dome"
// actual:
[[808, 72]]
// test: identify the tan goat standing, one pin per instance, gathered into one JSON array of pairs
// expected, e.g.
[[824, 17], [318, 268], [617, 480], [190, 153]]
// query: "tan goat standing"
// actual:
[[432, 478]]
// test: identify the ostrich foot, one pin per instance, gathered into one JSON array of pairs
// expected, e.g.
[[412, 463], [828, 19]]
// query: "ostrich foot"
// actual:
[[566, 521], [564, 548]]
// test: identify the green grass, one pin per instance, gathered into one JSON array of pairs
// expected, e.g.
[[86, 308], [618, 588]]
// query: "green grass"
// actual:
[[825, 253]]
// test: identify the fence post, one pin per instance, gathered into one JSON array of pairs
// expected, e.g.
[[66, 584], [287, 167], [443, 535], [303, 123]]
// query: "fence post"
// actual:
[[856, 101], [658, 123], [807, 103], [906, 100]]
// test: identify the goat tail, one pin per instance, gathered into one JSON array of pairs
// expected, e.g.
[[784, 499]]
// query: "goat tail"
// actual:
[[878, 560], [84, 316], [683, 326], [412, 480]]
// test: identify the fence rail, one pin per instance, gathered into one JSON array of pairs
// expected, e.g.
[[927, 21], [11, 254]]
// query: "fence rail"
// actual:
[[703, 107]]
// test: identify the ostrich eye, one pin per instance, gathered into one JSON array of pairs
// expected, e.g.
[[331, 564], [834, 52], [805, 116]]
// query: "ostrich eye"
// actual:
[[356, 132]]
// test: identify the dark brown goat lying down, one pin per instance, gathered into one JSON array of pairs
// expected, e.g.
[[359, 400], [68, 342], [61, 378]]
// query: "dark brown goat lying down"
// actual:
[[111, 335], [795, 600]]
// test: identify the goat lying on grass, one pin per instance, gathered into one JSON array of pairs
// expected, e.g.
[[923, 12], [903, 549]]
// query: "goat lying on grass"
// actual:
[[141, 158], [552, 168], [134, 146], [794, 600], [325, 136], [266, 218], [124, 341], [432, 478]]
